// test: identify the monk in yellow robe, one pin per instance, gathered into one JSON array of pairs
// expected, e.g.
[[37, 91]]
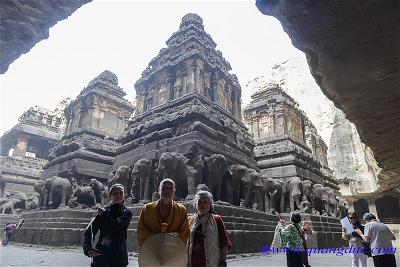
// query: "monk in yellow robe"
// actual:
[[163, 216]]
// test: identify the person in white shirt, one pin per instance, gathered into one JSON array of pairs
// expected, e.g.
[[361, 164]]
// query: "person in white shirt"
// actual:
[[381, 238]]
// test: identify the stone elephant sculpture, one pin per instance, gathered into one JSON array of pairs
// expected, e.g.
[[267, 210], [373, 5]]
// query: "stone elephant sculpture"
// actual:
[[173, 165], [294, 189], [11, 205], [39, 188], [332, 202], [305, 205], [143, 182], [239, 172], [32, 202], [60, 192], [316, 197], [8, 205], [122, 176], [325, 199], [195, 164], [215, 167], [273, 194], [343, 207], [47, 189], [100, 192], [83, 197], [307, 189], [254, 190]]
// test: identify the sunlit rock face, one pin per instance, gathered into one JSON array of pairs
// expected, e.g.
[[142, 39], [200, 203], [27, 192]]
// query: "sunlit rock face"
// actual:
[[353, 163]]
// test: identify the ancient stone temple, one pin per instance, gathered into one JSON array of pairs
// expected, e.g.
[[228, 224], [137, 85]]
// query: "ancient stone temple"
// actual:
[[25, 147], [288, 147], [187, 126], [93, 122], [188, 103]]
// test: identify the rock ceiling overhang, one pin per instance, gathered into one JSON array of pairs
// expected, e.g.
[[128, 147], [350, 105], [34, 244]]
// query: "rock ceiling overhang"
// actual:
[[353, 51], [25, 23]]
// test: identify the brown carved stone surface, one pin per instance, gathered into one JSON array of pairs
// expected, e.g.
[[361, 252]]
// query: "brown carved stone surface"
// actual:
[[24, 23], [353, 51]]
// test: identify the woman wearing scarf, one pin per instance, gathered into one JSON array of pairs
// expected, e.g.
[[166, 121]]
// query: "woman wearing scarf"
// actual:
[[292, 240], [208, 242], [112, 222]]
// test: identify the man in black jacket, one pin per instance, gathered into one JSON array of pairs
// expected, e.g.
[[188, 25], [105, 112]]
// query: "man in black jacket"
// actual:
[[112, 222]]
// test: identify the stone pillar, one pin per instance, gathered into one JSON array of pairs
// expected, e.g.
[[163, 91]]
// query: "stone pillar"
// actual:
[[236, 103], [194, 76], [22, 145], [213, 85], [233, 100], [239, 104], [279, 123], [184, 82], [2, 187], [145, 94], [83, 112], [170, 86], [372, 207]]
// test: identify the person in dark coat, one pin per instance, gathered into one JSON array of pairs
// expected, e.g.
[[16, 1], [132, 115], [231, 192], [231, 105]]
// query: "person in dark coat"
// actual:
[[112, 222]]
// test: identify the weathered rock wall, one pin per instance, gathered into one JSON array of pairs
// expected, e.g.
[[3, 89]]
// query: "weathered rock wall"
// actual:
[[350, 159]]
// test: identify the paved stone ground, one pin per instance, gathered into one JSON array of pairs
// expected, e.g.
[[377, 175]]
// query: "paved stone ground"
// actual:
[[34, 256]]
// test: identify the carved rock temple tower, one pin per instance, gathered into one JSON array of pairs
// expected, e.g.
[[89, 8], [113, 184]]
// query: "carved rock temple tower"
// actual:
[[94, 121], [25, 147], [287, 143], [187, 98], [189, 103]]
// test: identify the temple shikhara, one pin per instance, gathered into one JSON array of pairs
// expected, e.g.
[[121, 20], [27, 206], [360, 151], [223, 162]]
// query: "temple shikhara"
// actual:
[[187, 124]]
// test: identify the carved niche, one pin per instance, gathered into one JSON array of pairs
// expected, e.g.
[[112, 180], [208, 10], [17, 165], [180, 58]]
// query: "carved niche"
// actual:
[[293, 123]]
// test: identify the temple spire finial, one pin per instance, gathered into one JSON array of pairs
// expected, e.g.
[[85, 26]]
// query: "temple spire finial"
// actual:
[[191, 18]]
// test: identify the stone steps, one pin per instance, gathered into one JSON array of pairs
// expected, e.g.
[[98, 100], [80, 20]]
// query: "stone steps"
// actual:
[[248, 229]]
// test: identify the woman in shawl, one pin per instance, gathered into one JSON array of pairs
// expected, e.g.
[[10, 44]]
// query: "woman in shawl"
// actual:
[[208, 243], [292, 240]]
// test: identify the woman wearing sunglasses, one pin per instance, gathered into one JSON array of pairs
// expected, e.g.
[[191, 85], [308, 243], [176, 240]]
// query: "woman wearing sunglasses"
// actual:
[[358, 258]]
